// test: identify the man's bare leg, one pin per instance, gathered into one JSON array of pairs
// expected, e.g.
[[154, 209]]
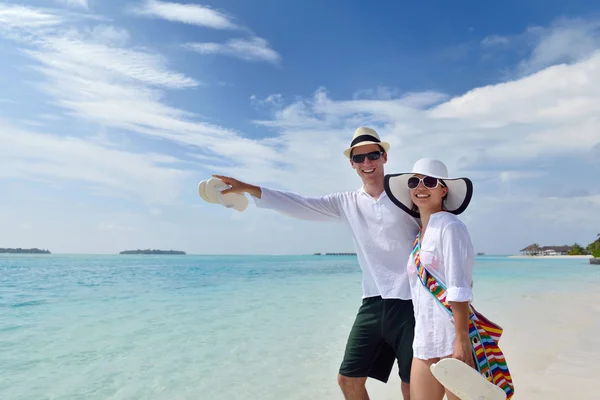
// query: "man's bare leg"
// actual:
[[353, 388], [405, 391]]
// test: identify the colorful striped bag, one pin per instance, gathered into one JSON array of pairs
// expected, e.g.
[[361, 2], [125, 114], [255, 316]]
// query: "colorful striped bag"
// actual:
[[484, 334]]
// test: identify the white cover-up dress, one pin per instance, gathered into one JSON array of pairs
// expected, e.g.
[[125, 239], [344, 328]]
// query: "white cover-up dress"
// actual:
[[447, 253]]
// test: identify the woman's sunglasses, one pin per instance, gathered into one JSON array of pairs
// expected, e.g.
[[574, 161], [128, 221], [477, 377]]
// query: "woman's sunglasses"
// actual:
[[428, 181], [374, 155]]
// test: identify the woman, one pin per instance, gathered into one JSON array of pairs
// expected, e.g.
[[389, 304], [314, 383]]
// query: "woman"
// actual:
[[443, 257]]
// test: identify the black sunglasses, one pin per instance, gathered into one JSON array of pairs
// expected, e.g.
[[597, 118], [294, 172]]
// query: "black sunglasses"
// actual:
[[428, 181], [374, 155]]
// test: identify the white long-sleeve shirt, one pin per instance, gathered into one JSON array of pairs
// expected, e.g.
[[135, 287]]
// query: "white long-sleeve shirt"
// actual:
[[382, 233], [447, 253]]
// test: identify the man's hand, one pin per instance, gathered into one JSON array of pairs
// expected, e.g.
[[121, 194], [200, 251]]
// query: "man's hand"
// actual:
[[239, 186]]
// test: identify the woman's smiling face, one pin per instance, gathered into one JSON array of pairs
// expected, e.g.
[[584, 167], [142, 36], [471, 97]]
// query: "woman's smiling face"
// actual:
[[426, 192]]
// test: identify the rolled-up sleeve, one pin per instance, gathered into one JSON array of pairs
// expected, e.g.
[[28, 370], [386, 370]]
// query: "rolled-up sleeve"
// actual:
[[459, 260], [322, 208]]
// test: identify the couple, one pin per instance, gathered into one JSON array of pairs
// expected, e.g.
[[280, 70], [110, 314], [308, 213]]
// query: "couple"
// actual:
[[399, 318]]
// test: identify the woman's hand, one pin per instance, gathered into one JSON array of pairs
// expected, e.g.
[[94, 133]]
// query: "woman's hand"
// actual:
[[463, 351], [462, 342]]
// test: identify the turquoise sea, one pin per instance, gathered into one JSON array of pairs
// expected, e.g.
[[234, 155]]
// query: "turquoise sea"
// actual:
[[203, 327]]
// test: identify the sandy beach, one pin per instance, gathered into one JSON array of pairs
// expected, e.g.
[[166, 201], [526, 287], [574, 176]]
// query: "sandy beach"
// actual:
[[551, 257], [549, 345]]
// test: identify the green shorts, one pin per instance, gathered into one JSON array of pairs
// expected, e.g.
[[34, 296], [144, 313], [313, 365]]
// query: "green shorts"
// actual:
[[382, 332]]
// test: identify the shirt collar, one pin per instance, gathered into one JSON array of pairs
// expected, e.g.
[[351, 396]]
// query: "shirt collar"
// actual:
[[362, 191]]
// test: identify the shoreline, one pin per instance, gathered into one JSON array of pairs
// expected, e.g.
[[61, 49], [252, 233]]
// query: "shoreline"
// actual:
[[563, 257]]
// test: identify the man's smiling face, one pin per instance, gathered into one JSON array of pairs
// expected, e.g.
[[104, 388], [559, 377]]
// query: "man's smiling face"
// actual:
[[369, 170]]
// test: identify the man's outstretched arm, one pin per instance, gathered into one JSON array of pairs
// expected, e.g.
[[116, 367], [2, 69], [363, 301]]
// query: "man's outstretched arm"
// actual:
[[239, 186], [309, 208]]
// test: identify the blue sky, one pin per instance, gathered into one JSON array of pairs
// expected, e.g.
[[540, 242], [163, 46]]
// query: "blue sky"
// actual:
[[111, 112]]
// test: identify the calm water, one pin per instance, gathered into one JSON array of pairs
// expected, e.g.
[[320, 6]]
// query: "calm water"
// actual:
[[199, 327]]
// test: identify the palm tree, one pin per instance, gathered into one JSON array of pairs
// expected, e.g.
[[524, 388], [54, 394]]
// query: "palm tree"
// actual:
[[594, 247]]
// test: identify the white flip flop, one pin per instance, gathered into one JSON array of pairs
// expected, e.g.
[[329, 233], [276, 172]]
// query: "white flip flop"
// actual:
[[213, 188], [202, 191], [464, 381]]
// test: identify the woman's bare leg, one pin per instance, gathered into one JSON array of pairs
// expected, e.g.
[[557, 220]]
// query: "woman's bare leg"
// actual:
[[423, 385], [449, 394]]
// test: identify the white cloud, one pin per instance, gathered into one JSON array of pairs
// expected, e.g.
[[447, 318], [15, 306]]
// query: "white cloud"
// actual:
[[22, 17], [248, 49], [117, 86], [75, 3], [495, 40], [528, 123], [186, 13], [146, 178], [111, 226], [566, 40], [507, 176], [109, 34], [80, 57], [155, 211], [94, 77], [271, 101], [581, 211], [550, 114], [253, 49], [417, 100]]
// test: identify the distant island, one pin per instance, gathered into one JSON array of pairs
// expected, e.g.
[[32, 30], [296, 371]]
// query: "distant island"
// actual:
[[148, 251], [23, 251]]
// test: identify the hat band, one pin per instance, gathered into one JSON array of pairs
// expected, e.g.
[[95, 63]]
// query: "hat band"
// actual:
[[364, 138]]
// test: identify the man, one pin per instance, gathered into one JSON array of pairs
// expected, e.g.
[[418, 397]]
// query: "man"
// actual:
[[383, 236]]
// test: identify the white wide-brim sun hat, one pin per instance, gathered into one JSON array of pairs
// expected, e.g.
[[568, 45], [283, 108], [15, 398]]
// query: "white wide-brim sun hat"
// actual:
[[460, 190]]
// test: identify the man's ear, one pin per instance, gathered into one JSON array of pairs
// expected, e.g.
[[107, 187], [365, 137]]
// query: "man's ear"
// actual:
[[352, 164], [384, 158]]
